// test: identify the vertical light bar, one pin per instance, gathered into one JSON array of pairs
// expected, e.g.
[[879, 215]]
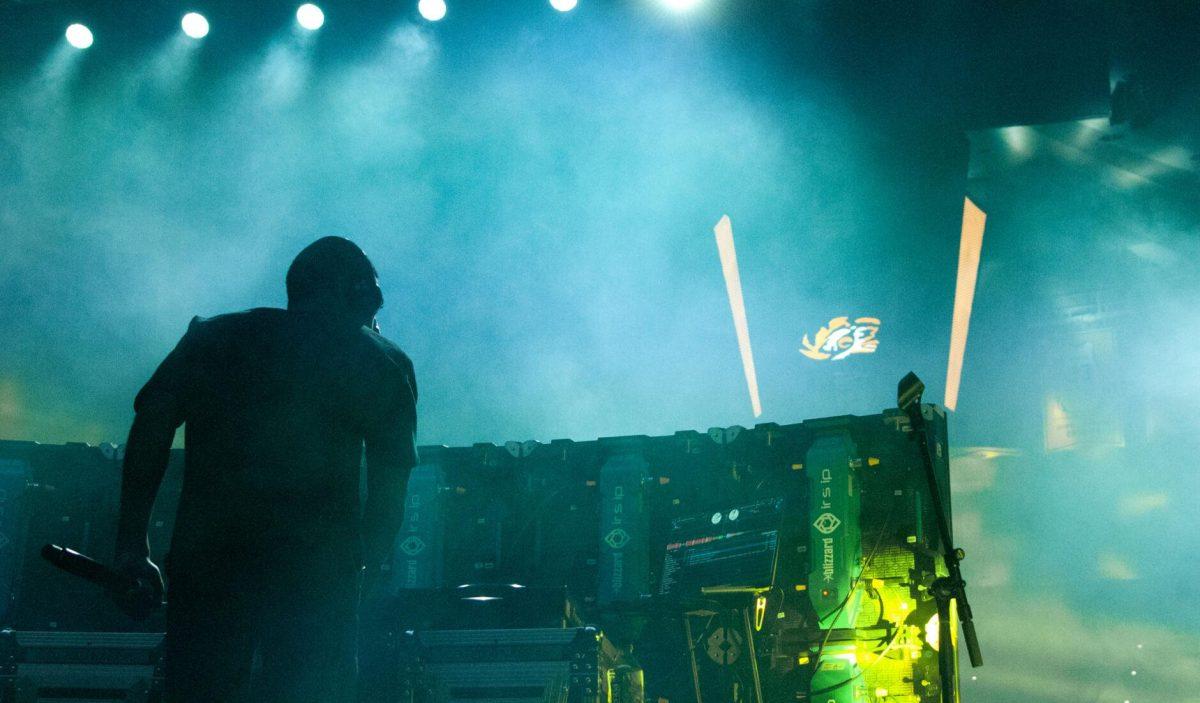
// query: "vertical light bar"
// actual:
[[969, 250], [733, 285]]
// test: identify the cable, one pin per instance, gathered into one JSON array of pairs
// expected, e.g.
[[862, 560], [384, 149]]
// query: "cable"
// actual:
[[854, 583], [881, 655]]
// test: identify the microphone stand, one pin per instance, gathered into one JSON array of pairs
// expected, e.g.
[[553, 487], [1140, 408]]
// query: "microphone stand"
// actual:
[[952, 586]]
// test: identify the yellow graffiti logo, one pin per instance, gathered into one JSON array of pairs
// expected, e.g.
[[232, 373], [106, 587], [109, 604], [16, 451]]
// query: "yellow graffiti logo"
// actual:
[[841, 338]]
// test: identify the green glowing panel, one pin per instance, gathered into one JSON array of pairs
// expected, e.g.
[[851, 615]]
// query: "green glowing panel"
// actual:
[[838, 677], [835, 541]]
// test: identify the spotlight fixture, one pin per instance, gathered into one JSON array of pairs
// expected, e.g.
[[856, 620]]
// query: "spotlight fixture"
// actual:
[[564, 5], [432, 10], [79, 36], [194, 25], [310, 16]]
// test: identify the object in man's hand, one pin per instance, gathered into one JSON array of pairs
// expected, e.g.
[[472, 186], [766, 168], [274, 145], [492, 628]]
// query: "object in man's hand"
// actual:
[[137, 597]]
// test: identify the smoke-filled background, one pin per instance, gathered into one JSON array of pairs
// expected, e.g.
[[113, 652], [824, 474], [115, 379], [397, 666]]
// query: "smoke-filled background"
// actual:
[[538, 191]]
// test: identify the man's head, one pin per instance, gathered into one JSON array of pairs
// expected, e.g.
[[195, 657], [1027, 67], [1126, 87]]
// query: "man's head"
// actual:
[[333, 277]]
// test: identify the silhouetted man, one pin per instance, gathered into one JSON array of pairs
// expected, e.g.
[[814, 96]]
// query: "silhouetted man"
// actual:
[[270, 540]]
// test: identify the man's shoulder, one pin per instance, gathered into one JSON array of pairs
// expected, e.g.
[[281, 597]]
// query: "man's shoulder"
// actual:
[[241, 318], [387, 350], [236, 321]]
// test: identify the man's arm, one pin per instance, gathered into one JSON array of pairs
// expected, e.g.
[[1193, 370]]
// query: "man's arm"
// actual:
[[146, 454], [391, 454], [159, 410], [384, 511]]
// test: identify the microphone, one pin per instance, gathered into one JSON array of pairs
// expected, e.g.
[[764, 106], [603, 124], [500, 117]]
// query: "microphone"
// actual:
[[85, 567], [136, 596]]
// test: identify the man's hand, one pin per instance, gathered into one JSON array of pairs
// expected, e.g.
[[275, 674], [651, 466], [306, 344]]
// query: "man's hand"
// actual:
[[146, 596]]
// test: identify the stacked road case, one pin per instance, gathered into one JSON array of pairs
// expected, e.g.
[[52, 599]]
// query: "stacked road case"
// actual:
[[87, 667], [847, 612]]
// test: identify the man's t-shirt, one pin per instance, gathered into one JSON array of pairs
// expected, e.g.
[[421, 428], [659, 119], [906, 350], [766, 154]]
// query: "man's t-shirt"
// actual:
[[277, 407]]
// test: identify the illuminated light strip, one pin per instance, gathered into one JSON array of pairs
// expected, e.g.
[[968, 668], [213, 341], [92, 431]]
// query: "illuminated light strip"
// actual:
[[733, 285], [969, 250]]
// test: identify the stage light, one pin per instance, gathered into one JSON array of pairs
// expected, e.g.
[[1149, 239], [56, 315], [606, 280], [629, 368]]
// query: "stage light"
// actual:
[[933, 631], [310, 16], [79, 36], [970, 249], [194, 25], [733, 286], [681, 5], [564, 5], [432, 10]]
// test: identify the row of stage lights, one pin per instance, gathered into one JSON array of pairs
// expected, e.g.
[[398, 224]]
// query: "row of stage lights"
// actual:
[[311, 18]]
